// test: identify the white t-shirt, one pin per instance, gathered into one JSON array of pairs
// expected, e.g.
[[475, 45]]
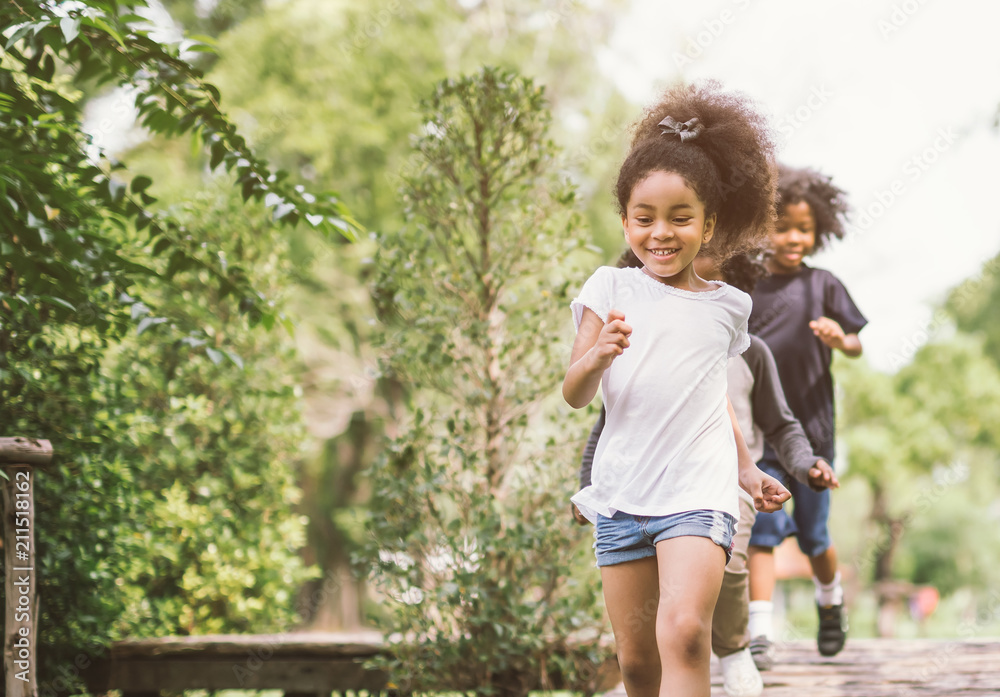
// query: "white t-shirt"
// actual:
[[667, 446]]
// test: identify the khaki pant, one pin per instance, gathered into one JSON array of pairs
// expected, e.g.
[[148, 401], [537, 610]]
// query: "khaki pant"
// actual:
[[732, 611]]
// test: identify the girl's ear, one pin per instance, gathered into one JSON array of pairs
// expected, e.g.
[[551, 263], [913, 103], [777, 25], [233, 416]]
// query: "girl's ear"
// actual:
[[709, 231], [625, 227]]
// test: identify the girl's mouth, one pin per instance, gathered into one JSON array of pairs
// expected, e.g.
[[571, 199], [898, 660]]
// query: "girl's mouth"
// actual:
[[663, 253]]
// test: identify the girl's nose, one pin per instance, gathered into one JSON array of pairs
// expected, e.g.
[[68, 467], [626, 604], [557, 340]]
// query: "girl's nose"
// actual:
[[662, 231]]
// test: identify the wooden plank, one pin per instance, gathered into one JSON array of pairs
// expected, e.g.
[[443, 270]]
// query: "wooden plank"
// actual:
[[266, 646], [292, 675], [879, 668], [25, 451]]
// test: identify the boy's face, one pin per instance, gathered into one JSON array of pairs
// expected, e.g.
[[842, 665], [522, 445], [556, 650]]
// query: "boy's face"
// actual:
[[793, 239]]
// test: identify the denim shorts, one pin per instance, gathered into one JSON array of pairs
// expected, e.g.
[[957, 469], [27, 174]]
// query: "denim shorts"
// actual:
[[626, 537], [810, 511]]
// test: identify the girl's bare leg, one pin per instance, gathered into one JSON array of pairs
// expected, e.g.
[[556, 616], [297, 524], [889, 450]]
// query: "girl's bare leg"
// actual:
[[690, 575], [631, 595]]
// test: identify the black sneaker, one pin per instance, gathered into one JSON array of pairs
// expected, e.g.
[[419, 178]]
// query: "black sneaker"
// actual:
[[832, 629], [762, 651]]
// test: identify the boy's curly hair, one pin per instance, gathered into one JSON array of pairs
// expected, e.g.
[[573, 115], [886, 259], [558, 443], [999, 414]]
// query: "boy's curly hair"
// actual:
[[744, 270], [828, 203], [730, 164]]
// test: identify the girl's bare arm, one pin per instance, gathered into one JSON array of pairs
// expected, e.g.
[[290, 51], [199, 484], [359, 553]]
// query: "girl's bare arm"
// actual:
[[597, 344]]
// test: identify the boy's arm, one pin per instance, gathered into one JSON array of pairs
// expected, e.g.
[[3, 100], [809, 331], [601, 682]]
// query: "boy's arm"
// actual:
[[832, 334], [587, 461], [841, 322], [767, 492], [852, 345], [771, 412], [780, 427]]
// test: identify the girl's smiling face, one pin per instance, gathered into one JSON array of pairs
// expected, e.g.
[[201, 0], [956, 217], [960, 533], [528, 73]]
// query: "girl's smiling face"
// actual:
[[793, 239], [665, 225]]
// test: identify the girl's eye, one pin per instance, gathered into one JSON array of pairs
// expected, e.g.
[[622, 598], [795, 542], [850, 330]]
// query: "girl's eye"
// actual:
[[682, 221]]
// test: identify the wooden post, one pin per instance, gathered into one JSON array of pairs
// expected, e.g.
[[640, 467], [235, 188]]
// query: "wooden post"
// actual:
[[17, 457]]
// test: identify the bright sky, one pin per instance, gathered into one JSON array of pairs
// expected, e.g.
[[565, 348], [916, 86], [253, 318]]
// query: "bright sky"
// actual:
[[858, 89]]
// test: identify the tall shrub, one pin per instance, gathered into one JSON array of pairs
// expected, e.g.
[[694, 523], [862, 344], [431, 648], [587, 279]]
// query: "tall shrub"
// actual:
[[471, 539]]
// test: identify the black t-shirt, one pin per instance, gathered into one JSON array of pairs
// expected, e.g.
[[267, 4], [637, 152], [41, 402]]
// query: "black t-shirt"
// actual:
[[783, 306]]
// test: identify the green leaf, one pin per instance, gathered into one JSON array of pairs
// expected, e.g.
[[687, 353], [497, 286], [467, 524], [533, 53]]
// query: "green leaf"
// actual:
[[235, 359], [141, 183], [147, 322], [215, 356], [99, 23], [161, 246], [70, 27], [218, 153]]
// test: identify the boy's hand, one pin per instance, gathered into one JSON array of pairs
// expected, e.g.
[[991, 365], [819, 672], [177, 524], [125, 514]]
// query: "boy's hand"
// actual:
[[821, 476], [613, 339], [829, 332], [767, 492], [579, 517]]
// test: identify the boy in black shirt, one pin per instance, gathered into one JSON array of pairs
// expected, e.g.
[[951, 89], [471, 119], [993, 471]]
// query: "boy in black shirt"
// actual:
[[803, 314]]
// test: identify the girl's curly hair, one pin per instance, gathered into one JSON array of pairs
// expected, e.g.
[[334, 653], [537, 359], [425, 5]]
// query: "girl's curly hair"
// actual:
[[828, 203], [729, 164]]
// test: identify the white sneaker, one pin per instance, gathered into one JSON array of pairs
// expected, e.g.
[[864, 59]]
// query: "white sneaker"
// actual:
[[740, 677]]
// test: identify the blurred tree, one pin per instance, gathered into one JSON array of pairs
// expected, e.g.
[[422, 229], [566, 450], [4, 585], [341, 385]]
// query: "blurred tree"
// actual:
[[218, 443], [79, 243], [328, 89], [470, 538], [914, 437], [973, 304]]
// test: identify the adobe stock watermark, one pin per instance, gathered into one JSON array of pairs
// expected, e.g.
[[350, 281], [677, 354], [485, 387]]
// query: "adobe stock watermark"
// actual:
[[611, 133], [912, 171], [371, 27], [712, 29], [562, 11], [788, 123], [941, 318], [944, 478], [901, 13]]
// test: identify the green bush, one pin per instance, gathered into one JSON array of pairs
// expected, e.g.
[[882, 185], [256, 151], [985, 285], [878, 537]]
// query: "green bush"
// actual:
[[471, 539]]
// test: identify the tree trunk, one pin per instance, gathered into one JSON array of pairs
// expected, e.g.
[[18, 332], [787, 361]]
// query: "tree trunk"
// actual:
[[891, 530]]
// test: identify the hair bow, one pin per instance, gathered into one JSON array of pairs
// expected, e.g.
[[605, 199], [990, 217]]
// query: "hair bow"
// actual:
[[688, 130]]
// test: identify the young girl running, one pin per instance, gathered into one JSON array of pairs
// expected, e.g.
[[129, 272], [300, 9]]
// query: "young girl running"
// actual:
[[803, 314], [763, 413], [657, 340]]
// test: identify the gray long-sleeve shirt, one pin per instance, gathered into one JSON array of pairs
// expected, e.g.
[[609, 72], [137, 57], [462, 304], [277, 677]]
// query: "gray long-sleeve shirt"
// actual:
[[765, 401]]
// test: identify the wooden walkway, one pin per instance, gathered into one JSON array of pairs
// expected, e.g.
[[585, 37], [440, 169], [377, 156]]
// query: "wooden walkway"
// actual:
[[321, 664], [880, 668]]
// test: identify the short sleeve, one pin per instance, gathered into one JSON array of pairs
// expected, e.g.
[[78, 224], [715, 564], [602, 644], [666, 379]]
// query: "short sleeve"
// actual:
[[595, 294], [741, 340], [741, 334], [838, 305]]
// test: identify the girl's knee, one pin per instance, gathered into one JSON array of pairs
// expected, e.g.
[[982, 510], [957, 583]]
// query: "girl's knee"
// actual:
[[639, 666], [687, 634]]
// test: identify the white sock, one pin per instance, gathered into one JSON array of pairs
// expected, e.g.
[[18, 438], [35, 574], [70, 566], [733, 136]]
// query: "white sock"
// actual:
[[829, 593], [761, 612]]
